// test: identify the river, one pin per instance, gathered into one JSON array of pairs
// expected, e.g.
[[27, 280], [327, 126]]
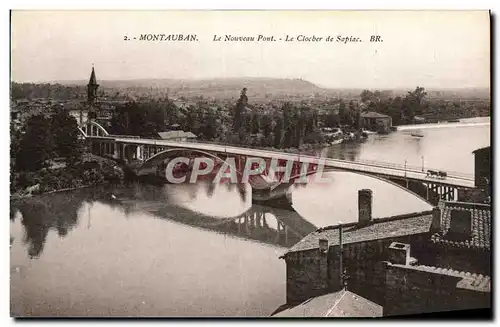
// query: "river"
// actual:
[[179, 250]]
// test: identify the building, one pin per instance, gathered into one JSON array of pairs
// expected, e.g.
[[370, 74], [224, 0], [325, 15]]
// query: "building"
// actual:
[[461, 238], [416, 288], [341, 304], [482, 167], [482, 177], [375, 121], [419, 120], [177, 136], [451, 244], [79, 112]]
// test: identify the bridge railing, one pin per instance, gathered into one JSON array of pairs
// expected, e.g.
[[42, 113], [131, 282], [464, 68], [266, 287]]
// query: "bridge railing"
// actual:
[[124, 136], [374, 163], [311, 154], [411, 168]]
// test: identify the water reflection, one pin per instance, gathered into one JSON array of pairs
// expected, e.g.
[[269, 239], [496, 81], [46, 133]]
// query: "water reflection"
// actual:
[[226, 209], [213, 211], [343, 151], [39, 215]]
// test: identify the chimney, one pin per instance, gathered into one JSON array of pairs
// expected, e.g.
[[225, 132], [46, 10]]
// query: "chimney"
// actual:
[[460, 223], [322, 283], [323, 245], [399, 253], [436, 220], [364, 206]]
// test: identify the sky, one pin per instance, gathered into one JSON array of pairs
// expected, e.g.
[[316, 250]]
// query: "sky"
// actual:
[[433, 49]]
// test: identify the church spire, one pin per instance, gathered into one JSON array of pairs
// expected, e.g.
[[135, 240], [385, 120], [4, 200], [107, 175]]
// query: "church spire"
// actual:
[[92, 88], [93, 80]]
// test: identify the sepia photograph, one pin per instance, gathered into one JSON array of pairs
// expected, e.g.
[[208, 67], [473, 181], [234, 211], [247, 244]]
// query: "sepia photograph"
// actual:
[[250, 163]]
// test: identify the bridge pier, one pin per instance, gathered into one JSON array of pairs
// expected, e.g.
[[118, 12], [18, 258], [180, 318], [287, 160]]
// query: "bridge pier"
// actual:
[[442, 192], [116, 151], [280, 201]]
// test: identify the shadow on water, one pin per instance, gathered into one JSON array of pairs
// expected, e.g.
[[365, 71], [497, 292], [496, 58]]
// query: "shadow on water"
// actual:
[[39, 215], [61, 211], [258, 222]]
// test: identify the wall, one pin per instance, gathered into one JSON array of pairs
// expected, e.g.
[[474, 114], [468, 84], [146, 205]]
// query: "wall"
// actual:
[[364, 264], [306, 276], [482, 167], [472, 195], [410, 291], [461, 259]]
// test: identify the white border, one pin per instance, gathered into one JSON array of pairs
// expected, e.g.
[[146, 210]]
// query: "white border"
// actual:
[[178, 4]]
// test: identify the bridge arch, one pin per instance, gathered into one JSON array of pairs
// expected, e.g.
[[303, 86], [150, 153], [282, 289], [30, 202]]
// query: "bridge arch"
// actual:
[[92, 128], [397, 185], [381, 178], [82, 132], [277, 215], [161, 156]]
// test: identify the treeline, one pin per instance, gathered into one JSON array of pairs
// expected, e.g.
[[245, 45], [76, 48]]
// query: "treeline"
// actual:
[[403, 110], [149, 118], [42, 138], [284, 127], [48, 153], [48, 91]]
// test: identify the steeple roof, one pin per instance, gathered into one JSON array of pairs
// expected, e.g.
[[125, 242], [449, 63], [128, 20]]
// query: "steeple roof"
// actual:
[[93, 80]]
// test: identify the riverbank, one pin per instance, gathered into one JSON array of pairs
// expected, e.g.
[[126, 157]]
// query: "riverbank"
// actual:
[[443, 125], [91, 170]]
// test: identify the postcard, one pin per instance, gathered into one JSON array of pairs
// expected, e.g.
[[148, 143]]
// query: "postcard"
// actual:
[[209, 163]]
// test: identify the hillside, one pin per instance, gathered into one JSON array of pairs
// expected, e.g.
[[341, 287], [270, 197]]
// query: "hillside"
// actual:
[[216, 88]]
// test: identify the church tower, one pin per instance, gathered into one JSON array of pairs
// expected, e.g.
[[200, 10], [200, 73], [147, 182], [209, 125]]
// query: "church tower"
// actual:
[[92, 94], [92, 88]]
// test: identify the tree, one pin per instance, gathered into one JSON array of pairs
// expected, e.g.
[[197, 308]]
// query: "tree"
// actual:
[[278, 132], [210, 127], [344, 113], [239, 109], [65, 133], [299, 127], [288, 133], [413, 102], [36, 144], [255, 123], [267, 125], [246, 125], [15, 137], [366, 96], [171, 112]]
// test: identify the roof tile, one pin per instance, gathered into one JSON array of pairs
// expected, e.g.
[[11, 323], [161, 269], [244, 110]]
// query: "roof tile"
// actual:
[[403, 225], [481, 227]]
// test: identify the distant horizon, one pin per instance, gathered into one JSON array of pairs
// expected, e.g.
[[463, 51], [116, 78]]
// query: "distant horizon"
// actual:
[[84, 81]]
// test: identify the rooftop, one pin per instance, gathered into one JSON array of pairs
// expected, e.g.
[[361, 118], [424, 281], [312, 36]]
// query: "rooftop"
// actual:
[[373, 114], [472, 281], [339, 304], [485, 149], [402, 225], [176, 134], [480, 237]]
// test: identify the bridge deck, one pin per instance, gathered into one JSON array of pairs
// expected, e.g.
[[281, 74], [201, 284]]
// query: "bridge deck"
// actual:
[[369, 168]]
